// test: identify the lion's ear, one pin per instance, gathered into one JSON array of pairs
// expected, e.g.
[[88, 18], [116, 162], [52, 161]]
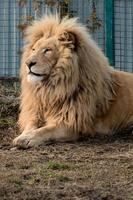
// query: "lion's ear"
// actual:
[[68, 39]]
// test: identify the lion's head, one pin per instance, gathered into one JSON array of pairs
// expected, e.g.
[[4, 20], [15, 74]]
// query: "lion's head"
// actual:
[[50, 55], [61, 52]]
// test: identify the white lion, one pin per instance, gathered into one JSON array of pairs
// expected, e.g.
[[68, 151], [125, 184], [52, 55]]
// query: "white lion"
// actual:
[[68, 88]]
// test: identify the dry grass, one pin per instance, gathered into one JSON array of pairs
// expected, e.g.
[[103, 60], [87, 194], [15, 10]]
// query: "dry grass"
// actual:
[[93, 169]]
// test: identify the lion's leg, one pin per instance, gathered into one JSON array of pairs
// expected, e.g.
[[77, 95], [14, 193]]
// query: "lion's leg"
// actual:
[[29, 127], [41, 135]]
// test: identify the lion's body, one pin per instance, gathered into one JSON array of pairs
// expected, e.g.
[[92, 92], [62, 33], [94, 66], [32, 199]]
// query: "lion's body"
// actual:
[[119, 118], [80, 93]]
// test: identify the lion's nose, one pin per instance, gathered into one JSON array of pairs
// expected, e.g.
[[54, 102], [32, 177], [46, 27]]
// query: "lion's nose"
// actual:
[[30, 64]]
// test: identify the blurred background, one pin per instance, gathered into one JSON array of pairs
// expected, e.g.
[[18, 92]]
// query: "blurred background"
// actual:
[[110, 22]]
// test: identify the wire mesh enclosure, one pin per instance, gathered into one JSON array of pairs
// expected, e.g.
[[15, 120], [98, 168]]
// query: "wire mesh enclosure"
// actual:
[[123, 35], [114, 36]]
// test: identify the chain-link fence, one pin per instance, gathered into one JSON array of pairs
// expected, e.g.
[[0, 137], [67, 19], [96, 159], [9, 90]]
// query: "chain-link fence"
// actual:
[[109, 21]]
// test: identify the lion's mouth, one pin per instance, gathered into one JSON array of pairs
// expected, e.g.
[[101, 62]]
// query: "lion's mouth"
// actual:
[[36, 74], [42, 76]]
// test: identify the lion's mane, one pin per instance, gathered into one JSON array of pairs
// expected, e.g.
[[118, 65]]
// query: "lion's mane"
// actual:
[[86, 87]]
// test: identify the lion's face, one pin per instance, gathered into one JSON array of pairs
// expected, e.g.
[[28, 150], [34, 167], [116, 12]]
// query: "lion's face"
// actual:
[[45, 54]]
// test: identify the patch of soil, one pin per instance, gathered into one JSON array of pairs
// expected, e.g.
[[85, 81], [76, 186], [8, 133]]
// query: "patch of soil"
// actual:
[[99, 168]]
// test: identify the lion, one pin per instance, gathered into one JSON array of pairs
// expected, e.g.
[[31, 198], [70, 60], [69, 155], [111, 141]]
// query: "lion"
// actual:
[[68, 89]]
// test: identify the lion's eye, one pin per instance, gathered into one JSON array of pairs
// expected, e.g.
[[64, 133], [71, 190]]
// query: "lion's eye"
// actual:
[[47, 50], [33, 49]]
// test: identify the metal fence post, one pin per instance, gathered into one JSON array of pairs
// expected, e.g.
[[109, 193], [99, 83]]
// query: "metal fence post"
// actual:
[[109, 30]]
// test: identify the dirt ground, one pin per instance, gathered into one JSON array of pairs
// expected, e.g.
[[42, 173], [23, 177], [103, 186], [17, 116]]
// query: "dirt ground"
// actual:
[[98, 168]]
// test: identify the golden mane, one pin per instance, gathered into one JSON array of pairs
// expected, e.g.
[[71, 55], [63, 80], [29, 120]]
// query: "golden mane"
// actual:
[[77, 101]]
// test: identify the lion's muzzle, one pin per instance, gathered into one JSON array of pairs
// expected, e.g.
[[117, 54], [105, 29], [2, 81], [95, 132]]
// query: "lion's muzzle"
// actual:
[[30, 64]]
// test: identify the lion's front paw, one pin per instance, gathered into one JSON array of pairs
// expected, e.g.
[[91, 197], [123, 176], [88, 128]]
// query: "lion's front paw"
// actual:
[[26, 140]]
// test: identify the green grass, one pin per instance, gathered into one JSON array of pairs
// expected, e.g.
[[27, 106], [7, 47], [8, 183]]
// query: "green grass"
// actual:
[[6, 122], [16, 181], [58, 166]]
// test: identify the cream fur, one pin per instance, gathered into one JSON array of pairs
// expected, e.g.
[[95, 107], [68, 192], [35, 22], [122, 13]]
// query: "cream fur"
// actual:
[[80, 94]]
